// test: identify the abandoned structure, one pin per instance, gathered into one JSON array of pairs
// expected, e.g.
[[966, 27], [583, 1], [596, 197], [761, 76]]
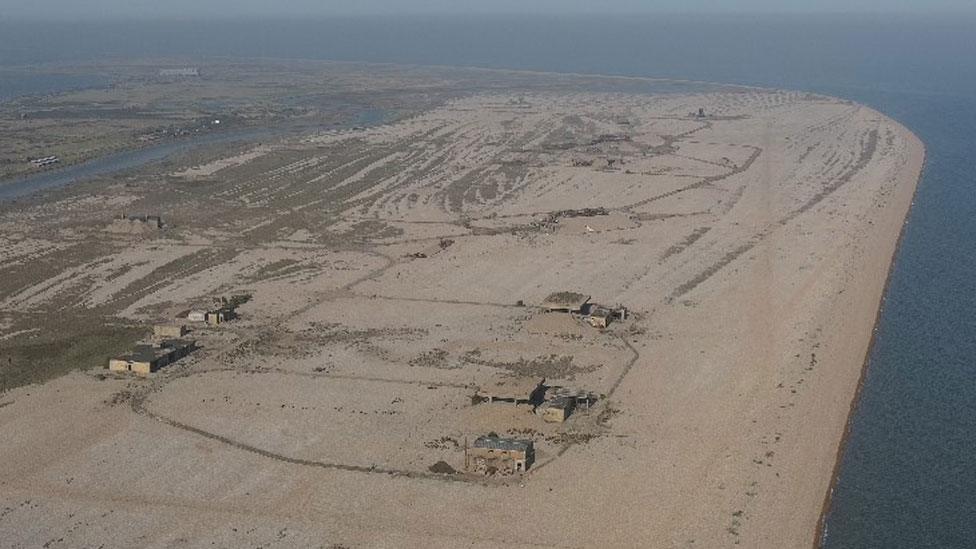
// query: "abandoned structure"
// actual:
[[557, 409], [214, 317], [225, 309], [148, 358], [584, 212], [490, 455], [517, 390], [600, 316], [567, 302], [563, 402], [168, 331], [554, 404], [152, 221], [145, 225], [220, 315]]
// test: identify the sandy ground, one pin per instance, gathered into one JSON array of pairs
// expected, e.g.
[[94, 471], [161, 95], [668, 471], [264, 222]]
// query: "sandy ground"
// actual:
[[215, 166], [386, 266]]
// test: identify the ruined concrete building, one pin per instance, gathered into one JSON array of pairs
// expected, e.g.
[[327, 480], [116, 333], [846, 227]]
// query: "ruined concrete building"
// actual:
[[557, 409], [517, 390], [600, 316], [563, 402], [491, 455], [226, 309], [213, 317], [567, 302], [168, 331], [154, 221], [148, 358]]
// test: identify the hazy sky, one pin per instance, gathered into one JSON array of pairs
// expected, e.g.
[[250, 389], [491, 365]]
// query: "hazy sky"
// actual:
[[103, 9]]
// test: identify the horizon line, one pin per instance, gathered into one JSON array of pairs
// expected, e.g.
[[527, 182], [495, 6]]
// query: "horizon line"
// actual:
[[474, 14]]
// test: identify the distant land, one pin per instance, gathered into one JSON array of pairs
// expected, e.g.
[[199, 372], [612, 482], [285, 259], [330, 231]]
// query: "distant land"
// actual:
[[415, 260]]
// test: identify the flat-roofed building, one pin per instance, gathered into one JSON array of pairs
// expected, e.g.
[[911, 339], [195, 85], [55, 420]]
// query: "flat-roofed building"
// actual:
[[569, 302], [558, 409], [518, 390], [143, 360], [168, 331], [600, 317], [491, 455], [147, 358]]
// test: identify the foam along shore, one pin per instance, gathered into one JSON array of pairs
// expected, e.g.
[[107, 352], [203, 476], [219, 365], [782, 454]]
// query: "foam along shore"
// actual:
[[751, 245]]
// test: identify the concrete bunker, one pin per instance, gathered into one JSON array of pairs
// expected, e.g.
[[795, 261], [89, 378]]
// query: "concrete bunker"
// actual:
[[557, 409], [577, 304], [224, 309], [563, 402], [151, 221], [146, 358], [163, 332], [565, 302]]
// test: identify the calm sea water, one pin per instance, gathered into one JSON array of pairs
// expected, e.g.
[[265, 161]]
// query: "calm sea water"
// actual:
[[908, 476]]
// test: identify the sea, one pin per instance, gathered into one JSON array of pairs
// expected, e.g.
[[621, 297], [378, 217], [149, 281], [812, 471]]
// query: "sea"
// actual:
[[907, 476]]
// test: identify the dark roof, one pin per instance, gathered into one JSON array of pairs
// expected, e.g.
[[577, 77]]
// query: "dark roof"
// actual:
[[178, 343], [574, 393], [508, 444], [150, 353], [142, 353], [565, 300], [561, 401]]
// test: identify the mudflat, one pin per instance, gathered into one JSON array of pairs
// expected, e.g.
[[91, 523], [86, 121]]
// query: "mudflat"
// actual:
[[398, 270]]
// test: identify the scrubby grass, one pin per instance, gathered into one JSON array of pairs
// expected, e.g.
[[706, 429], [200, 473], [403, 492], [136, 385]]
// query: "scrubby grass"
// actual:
[[60, 347]]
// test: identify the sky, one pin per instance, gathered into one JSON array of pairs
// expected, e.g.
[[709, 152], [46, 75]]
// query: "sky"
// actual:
[[181, 9]]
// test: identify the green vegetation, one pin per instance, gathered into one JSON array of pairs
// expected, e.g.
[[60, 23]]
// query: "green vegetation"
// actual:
[[59, 347]]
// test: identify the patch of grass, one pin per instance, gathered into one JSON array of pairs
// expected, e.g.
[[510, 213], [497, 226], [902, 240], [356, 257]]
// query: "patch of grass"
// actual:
[[61, 346]]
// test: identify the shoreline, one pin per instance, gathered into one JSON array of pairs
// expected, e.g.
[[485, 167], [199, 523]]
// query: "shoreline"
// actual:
[[821, 532], [785, 287], [115, 161], [18, 186]]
